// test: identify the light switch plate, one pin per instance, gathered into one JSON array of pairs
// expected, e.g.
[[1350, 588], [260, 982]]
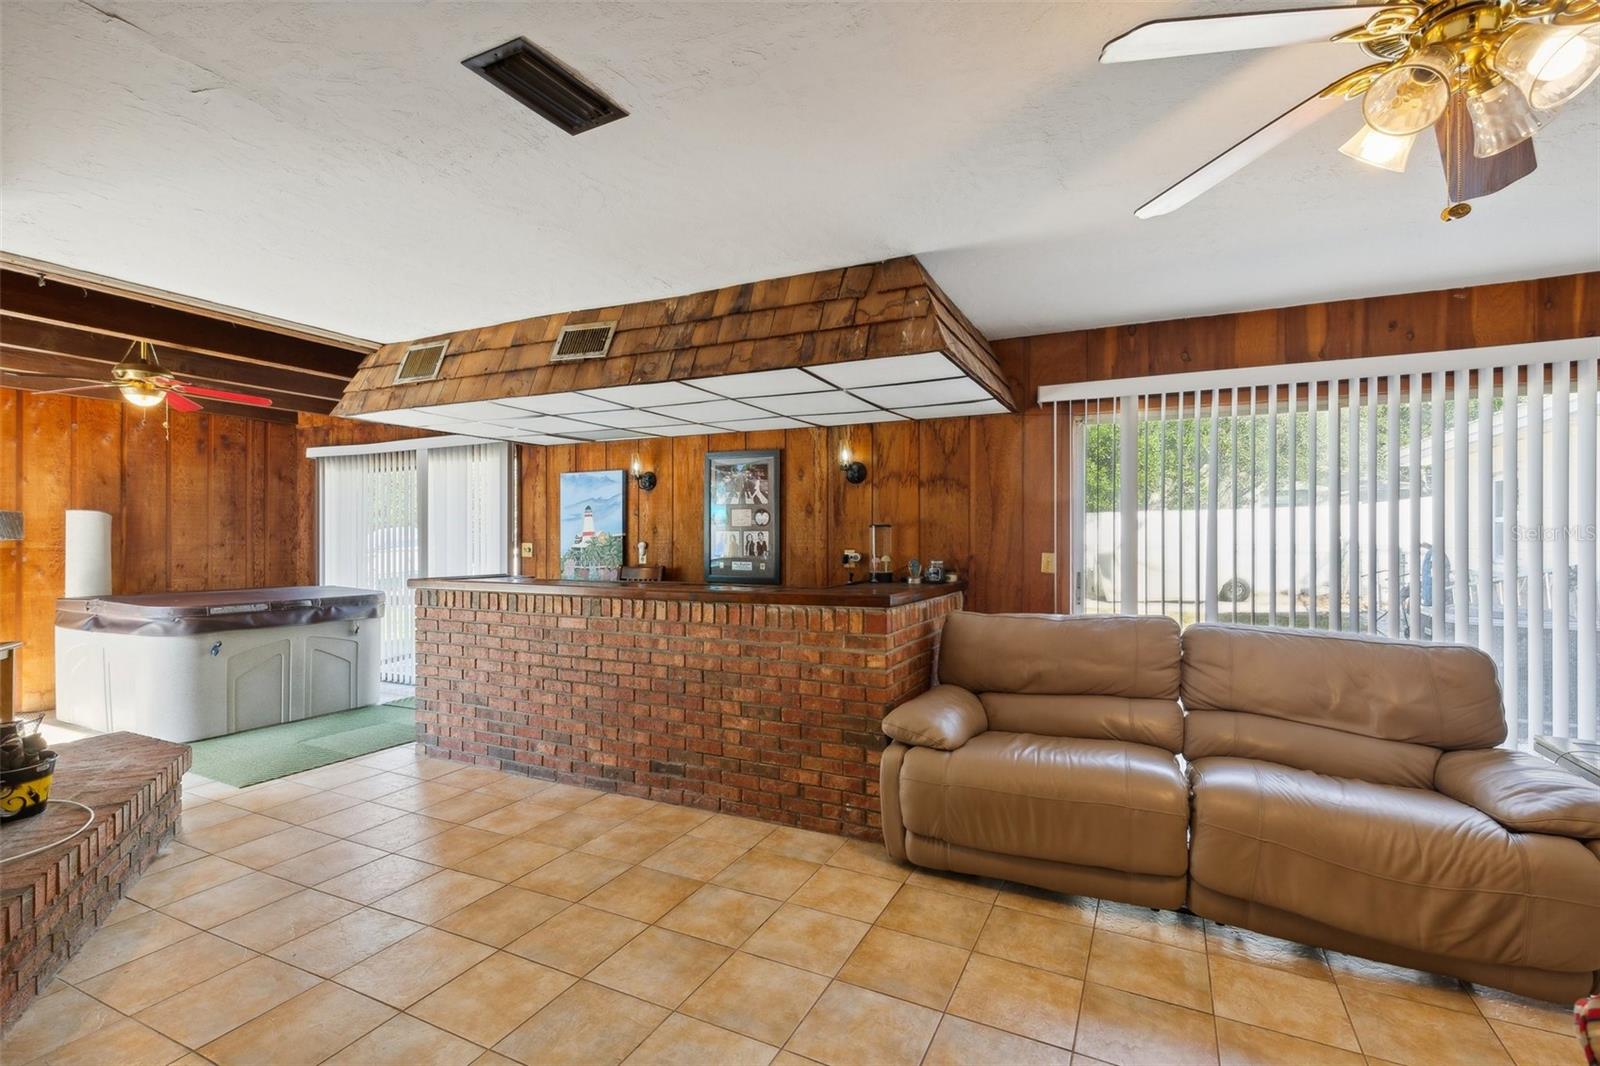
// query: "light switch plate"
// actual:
[[527, 549], [1047, 562]]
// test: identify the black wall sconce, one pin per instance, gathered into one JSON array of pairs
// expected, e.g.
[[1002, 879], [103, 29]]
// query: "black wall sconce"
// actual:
[[855, 471], [645, 479]]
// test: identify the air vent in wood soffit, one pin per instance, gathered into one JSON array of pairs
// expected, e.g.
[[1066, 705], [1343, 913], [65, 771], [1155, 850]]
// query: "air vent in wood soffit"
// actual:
[[591, 340], [421, 362], [542, 83]]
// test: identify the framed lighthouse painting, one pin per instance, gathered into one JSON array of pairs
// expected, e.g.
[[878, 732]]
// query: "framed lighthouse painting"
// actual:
[[591, 525], [743, 529]]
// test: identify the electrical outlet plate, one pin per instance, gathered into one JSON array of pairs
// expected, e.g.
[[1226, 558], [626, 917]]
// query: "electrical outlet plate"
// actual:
[[527, 550], [1047, 562]]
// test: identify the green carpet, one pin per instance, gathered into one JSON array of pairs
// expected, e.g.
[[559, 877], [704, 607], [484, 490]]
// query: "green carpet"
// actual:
[[274, 751]]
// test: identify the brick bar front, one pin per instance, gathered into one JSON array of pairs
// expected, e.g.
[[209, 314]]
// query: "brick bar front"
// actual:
[[768, 710]]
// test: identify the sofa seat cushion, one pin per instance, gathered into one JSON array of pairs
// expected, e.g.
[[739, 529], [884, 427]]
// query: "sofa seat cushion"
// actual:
[[1408, 866], [1090, 802]]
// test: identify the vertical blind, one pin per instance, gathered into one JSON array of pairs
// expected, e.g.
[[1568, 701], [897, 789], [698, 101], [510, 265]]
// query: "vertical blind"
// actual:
[[390, 514], [1441, 498], [369, 538], [468, 510]]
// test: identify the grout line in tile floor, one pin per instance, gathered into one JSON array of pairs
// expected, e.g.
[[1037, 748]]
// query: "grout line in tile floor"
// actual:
[[513, 789]]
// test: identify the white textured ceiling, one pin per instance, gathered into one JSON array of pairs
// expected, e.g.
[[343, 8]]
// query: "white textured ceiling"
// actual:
[[333, 164]]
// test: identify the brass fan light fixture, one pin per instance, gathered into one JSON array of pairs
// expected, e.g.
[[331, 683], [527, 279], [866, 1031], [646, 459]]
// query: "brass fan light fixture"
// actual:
[[1486, 75], [140, 380]]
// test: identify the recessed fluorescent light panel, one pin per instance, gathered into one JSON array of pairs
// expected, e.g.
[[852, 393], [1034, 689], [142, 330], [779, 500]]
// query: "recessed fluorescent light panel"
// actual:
[[763, 383], [890, 389], [562, 403], [892, 370], [656, 394], [922, 393]]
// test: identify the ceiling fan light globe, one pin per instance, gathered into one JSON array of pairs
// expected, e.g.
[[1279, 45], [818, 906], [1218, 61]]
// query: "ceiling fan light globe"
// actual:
[[1410, 97], [139, 394], [1550, 64], [1501, 118], [1379, 149]]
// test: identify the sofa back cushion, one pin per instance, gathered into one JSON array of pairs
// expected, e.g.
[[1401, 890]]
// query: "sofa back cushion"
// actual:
[[1053, 655], [1158, 723], [1308, 747], [1440, 696], [1112, 677]]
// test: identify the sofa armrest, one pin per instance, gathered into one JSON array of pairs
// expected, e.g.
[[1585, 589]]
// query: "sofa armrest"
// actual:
[[944, 717], [1521, 791]]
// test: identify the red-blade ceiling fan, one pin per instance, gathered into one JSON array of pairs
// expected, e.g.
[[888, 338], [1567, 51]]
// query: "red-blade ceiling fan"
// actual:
[[1486, 75], [141, 381]]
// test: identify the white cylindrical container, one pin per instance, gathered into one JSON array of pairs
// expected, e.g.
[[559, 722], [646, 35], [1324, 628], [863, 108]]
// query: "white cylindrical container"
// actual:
[[88, 568]]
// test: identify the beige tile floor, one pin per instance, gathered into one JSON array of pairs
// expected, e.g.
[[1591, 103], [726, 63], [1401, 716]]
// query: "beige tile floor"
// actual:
[[400, 909]]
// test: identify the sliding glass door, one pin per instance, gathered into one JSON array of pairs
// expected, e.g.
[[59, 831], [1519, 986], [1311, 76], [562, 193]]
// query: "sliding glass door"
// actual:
[[390, 513], [1426, 498]]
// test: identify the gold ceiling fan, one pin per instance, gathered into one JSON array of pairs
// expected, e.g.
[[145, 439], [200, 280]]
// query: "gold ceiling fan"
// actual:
[[140, 379], [1485, 74]]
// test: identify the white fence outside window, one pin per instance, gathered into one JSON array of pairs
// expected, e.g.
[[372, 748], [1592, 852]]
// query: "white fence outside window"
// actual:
[[1444, 497]]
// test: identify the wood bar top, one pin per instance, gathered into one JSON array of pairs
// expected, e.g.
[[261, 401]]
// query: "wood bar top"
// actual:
[[861, 594]]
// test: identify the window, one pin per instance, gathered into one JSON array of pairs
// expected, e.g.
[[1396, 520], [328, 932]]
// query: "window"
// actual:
[[1445, 497], [389, 513]]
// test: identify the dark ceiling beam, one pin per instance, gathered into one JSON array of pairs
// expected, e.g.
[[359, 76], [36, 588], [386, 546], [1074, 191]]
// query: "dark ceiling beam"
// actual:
[[21, 295], [23, 334], [30, 362], [42, 383]]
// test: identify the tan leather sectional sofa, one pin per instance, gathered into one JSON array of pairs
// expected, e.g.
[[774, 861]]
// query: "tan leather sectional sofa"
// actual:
[[1342, 791]]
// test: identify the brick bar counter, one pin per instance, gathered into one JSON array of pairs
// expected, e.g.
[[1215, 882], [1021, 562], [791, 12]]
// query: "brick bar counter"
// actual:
[[762, 702]]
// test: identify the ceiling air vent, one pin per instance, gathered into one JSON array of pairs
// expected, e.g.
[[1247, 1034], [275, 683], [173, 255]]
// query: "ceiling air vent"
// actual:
[[421, 363], [539, 81], [592, 340]]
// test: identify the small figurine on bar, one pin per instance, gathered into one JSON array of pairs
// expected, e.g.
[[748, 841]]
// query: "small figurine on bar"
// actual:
[[851, 560], [914, 572], [642, 546], [880, 566]]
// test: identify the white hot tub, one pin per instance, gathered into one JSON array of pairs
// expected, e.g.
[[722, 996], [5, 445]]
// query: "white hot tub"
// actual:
[[182, 666]]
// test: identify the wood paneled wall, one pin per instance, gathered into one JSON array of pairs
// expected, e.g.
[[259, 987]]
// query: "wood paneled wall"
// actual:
[[228, 501], [208, 501], [1480, 316], [205, 505], [979, 492], [951, 488]]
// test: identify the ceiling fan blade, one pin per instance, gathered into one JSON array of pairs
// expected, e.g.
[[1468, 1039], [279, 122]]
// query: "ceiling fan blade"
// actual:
[[76, 388], [179, 402], [1167, 38], [1244, 153], [55, 377], [219, 394]]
